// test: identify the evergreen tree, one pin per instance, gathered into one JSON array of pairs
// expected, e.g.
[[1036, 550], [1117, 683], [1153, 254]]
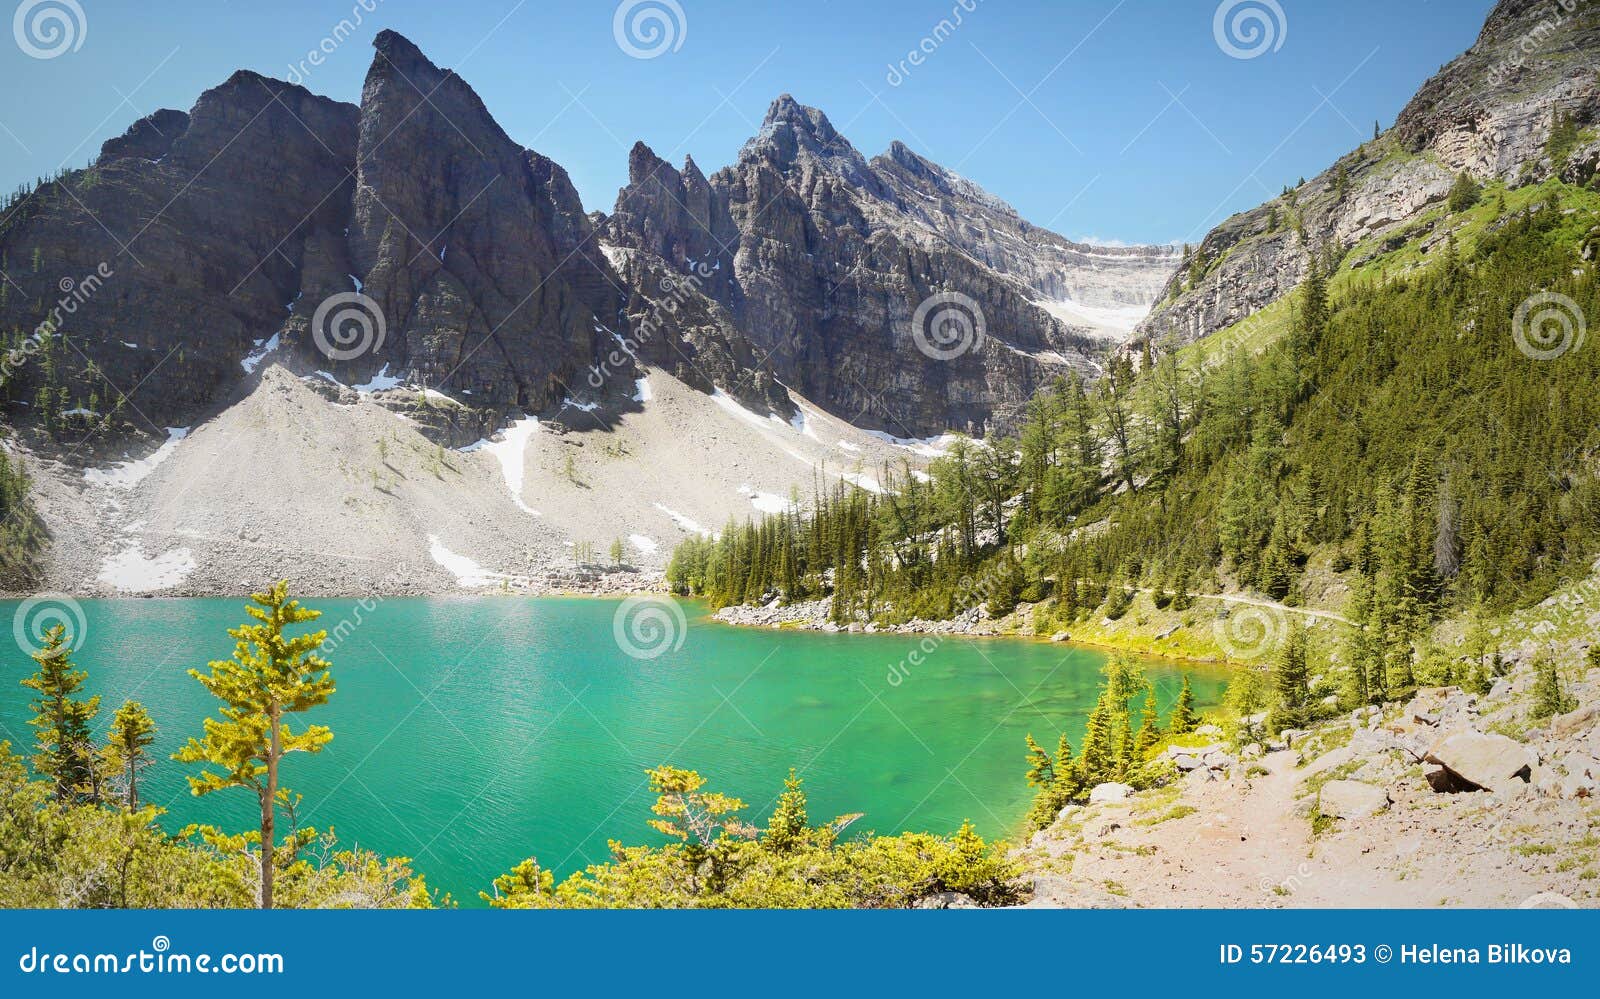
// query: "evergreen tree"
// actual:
[[1291, 678], [1183, 720], [1549, 695], [1098, 761], [1041, 766], [270, 676], [127, 752], [1464, 193], [61, 720], [1149, 726], [786, 829]]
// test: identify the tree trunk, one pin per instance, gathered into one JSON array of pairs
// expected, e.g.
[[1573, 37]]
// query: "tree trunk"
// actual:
[[268, 802]]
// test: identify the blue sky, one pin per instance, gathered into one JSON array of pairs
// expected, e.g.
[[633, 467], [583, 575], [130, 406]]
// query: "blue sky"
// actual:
[[1119, 121]]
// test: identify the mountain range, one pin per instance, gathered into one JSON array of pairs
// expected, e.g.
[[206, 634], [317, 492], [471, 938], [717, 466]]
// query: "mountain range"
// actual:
[[228, 226], [270, 279]]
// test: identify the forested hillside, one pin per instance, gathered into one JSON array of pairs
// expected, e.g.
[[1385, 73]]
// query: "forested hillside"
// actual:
[[21, 533], [1412, 413]]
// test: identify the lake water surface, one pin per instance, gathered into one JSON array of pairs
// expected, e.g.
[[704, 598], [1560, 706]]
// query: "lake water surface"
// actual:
[[472, 733]]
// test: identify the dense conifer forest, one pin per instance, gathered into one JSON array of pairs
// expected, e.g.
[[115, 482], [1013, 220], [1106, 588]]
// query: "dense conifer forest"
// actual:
[[1387, 419]]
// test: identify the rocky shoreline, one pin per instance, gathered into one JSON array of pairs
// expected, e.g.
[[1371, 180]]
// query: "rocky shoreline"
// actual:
[[817, 615]]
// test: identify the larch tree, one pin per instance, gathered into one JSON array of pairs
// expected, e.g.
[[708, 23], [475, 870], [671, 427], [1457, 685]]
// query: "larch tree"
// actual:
[[127, 752], [270, 676], [61, 720], [786, 829]]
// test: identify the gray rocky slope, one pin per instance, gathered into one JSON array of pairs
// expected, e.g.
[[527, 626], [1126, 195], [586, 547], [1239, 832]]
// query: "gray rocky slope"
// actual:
[[1488, 113]]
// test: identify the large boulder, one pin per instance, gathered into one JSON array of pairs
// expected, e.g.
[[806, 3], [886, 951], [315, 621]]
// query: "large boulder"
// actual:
[[1109, 793], [1574, 721], [1351, 799], [1485, 760]]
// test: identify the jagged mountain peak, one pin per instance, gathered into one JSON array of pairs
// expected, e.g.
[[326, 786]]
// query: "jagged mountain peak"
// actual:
[[905, 168], [785, 108], [643, 164], [399, 63], [400, 50], [793, 135]]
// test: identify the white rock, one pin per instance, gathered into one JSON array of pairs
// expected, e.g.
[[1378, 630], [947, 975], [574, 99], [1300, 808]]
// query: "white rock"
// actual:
[[1490, 761], [1109, 793]]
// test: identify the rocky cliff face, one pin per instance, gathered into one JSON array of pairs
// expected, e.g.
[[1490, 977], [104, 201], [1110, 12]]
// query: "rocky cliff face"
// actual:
[[408, 247], [477, 250], [987, 229], [891, 291], [399, 245], [185, 243], [1488, 113]]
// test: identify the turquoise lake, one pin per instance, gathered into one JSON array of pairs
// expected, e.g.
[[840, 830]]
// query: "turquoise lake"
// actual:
[[473, 733]]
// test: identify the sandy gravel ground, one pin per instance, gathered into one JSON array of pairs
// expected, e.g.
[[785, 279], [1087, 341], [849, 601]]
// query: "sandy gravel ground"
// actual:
[[1244, 835]]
